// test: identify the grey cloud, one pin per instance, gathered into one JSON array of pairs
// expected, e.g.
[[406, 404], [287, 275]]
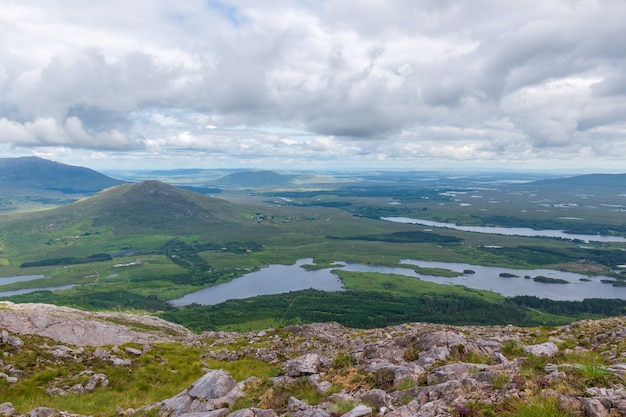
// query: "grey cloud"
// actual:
[[383, 71]]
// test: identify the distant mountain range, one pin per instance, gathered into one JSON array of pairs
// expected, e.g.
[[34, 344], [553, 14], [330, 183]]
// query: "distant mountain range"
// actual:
[[35, 173], [586, 181], [253, 179]]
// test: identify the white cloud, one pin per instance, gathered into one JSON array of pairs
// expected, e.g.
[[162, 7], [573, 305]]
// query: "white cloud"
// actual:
[[268, 80]]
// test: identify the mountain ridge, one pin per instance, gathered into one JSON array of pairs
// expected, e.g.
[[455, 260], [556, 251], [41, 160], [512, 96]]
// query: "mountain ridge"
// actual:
[[38, 173]]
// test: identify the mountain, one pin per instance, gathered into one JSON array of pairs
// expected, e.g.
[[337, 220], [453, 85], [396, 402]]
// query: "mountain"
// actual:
[[35, 173], [253, 179], [153, 206]]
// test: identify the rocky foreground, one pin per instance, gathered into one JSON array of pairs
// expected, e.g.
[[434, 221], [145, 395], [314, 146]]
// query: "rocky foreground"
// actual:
[[321, 370]]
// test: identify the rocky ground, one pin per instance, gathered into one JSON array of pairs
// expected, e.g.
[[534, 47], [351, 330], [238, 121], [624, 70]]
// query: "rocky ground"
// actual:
[[326, 370]]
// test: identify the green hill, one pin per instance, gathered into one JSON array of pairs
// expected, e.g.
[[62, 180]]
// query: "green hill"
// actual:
[[141, 217], [153, 206]]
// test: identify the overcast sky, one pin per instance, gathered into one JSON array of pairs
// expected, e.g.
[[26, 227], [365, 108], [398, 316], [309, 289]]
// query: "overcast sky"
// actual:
[[314, 84]]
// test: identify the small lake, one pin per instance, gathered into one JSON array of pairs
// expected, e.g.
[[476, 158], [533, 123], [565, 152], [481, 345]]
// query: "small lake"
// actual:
[[19, 278], [29, 290], [509, 231], [277, 279]]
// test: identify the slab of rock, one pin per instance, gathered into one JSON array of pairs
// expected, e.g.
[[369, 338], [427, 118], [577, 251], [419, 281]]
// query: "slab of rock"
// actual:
[[203, 395], [442, 339], [542, 349], [304, 365], [253, 412], [82, 328], [359, 411], [7, 409]]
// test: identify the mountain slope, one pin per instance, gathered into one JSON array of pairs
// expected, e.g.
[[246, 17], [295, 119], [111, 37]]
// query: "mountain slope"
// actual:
[[153, 206], [38, 173]]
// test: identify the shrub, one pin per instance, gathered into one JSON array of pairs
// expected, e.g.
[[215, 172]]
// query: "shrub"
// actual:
[[384, 379], [343, 360], [411, 354]]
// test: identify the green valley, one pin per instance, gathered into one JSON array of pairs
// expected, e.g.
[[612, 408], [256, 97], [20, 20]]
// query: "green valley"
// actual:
[[137, 246]]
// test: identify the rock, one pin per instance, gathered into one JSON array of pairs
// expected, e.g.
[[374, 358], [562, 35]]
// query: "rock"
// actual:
[[295, 404], [56, 392], [619, 369], [376, 397], [594, 408], [400, 373], [221, 412], [44, 412], [447, 373], [61, 351], [77, 389], [201, 394], [252, 412], [442, 339], [542, 349], [436, 354], [119, 361], [359, 411], [95, 380], [133, 351], [7, 409], [82, 328], [101, 353], [304, 365]]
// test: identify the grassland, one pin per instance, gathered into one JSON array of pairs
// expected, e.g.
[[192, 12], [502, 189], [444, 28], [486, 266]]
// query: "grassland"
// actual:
[[186, 242]]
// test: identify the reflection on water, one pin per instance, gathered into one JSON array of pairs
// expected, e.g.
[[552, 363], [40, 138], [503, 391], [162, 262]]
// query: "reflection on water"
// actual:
[[275, 279], [278, 279]]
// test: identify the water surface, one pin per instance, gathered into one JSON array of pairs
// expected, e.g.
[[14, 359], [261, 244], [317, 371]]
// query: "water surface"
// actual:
[[278, 279], [509, 231]]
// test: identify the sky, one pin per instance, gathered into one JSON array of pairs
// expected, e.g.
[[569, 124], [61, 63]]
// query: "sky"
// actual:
[[315, 84]]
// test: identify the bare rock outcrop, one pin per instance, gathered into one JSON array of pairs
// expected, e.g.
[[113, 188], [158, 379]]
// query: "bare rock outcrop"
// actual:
[[326, 370], [81, 328]]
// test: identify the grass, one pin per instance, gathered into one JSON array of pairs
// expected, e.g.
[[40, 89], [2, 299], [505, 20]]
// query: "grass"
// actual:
[[535, 407], [404, 286], [285, 233], [162, 372], [244, 368]]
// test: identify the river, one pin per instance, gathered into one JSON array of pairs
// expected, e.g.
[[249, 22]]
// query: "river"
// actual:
[[509, 231]]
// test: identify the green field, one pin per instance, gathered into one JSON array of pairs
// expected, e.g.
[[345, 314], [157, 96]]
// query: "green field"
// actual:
[[164, 243]]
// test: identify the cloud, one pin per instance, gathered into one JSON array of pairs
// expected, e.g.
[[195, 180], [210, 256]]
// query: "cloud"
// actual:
[[387, 81]]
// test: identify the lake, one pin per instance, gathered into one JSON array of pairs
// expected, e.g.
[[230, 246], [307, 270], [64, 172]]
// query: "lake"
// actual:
[[509, 231], [19, 278], [277, 279], [29, 290]]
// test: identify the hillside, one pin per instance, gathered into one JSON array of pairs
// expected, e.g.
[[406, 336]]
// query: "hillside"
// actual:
[[37, 173], [254, 179], [148, 367], [153, 206], [145, 217]]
